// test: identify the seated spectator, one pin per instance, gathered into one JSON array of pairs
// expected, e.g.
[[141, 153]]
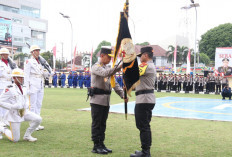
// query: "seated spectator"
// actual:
[[226, 92]]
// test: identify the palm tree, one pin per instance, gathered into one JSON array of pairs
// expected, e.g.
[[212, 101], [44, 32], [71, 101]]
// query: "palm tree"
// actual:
[[182, 54], [170, 53], [21, 57]]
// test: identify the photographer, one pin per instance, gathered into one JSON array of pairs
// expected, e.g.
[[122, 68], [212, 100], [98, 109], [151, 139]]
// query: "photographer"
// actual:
[[226, 92]]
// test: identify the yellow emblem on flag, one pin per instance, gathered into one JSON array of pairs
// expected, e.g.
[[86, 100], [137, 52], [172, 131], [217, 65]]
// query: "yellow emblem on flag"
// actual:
[[142, 68]]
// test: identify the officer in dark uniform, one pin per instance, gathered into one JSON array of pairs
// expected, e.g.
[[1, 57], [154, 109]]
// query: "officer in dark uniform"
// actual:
[[160, 81], [218, 81], [145, 102], [59, 79], [201, 83], [70, 79], [75, 77], [207, 82], [100, 96], [171, 81], [196, 81], [212, 83], [54, 80]]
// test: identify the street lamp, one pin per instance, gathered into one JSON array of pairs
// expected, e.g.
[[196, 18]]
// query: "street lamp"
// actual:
[[194, 5], [67, 17]]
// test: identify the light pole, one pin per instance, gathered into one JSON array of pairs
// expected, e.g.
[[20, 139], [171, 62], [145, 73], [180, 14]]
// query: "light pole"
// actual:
[[67, 17], [195, 5]]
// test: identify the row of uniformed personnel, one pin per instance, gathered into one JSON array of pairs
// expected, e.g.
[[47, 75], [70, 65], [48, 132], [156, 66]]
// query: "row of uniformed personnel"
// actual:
[[174, 82]]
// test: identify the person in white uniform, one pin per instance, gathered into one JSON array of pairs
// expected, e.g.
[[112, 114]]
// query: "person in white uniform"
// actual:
[[36, 69], [15, 100], [6, 66]]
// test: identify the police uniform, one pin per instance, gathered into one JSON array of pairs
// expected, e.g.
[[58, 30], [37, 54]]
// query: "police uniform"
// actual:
[[185, 81], [196, 81], [63, 79], [207, 83], [201, 84], [6, 67], [160, 81], [145, 102], [180, 79], [212, 83], [34, 80], [165, 80], [175, 83], [100, 101], [15, 100], [54, 80], [227, 71], [218, 81], [171, 82], [70, 79]]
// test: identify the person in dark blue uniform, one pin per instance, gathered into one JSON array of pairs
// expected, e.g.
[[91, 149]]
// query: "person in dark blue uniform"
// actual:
[[63, 79], [70, 79], [88, 80], [75, 77], [54, 80], [81, 79], [226, 92], [84, 79], [59, 79], [120, 80]]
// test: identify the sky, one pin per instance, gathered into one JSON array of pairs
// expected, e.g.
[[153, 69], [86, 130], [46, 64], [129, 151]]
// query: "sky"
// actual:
[[153, 21]]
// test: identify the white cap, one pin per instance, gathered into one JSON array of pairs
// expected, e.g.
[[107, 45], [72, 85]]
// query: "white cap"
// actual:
[[4, 51], [17, 73], [34, 47]]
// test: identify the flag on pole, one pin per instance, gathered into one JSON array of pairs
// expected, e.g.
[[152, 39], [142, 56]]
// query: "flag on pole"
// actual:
[[74, 54], [175, 51], [54, 57], [188, 62]]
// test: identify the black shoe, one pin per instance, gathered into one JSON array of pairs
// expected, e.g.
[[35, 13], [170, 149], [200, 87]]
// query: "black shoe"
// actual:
[[140, 154], [105, 148], [99, 150]]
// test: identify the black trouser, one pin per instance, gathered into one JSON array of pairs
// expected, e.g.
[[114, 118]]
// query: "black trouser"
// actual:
[[212, 86], [59, 82], [218, 87], [143, 115], [99, 115], [184, 86], [155, 85], [226, 95], [207, 87], [201, 87], [197, 87], [160, 84], [171, 85], [179, 86], [164, 85]]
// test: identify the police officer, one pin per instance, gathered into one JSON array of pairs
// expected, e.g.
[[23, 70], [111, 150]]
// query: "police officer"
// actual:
[[6, 67], [165, 80], [70, 79], [196, 81], [36, 69], [75, 77], [88, 80], [160, 81], [54, 80], [63, 79], [145, 102], [218, 81], [201, 83], [171, 81], [175, 82], [100, 99], [212, 83], [185, 81], [80, 80], [14, 99], [207, 83], [180, 79], [59, 79]]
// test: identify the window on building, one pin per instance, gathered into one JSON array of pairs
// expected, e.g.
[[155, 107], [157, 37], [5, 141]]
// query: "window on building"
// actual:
[[17, 20], [38, 35], [9, 9], [29, 11], [18, 39]]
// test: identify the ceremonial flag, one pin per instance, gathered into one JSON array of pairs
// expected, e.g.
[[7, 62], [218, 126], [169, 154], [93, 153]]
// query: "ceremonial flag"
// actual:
[[188, 62], [74, 54], [54, 57]]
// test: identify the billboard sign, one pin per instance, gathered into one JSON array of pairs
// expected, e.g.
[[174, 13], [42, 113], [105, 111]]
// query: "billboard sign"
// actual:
[[5, 31], [223, 61]]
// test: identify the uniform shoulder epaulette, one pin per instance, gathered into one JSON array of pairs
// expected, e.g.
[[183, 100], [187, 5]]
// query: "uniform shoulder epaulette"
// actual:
[[9, 86]]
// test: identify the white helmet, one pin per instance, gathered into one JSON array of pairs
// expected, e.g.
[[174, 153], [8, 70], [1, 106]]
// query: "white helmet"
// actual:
[[34, 47], [17, 73], [4, 51]]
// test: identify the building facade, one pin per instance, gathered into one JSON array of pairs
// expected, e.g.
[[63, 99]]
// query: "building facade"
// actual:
[[20, 23]]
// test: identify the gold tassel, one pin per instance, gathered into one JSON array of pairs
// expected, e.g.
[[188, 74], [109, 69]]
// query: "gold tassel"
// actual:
[[112, 81]]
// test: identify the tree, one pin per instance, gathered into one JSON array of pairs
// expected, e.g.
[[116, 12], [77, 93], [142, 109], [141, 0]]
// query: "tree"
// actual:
[[181, 54], [204, 59], [103, 43], [220, 36], [48, 56], [143, 44], [21, 58]]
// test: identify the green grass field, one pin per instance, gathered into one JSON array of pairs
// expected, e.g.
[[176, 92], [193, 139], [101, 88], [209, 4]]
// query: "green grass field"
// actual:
[[67, 131]]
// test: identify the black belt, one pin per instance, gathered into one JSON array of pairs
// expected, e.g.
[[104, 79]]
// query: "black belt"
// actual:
[[97, 91], [144, 92]]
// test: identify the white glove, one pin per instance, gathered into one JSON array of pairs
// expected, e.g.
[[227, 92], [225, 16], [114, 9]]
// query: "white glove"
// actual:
[[17, 106]]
